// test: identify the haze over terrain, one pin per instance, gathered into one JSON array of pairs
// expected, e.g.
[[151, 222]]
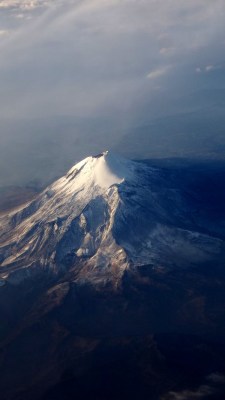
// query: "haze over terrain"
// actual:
[[145, 78]]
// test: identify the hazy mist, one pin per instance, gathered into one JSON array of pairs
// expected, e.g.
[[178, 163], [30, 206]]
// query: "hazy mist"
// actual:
[[145, 78]]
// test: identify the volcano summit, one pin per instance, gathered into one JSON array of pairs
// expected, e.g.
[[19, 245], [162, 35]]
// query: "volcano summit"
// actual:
[[106, 215]]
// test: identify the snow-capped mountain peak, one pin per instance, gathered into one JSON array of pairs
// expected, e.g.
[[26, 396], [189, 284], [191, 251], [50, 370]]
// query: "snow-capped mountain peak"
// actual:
[[105, 215], [75, 217], [104, 170]]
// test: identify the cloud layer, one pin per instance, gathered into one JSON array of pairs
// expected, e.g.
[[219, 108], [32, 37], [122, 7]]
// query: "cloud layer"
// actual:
[[83, 57], [121, 61]]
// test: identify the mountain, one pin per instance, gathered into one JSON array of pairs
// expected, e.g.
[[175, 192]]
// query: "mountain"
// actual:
[[107, 214], [112, 285]]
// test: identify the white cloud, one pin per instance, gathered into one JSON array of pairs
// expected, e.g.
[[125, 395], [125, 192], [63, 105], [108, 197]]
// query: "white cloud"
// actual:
[[91, 46], [157, 73], [88, 60], [210, 68], [22, 4], [3, 32], [167, 51]]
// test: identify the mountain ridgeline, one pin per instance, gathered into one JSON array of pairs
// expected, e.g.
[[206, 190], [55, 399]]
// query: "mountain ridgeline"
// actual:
[[115, 256], [106, 211]]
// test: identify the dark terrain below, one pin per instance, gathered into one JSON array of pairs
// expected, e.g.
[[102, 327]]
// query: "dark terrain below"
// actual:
[[14, 196]]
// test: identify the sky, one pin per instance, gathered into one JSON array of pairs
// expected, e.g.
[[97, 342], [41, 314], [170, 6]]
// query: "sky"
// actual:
[[79, 76]]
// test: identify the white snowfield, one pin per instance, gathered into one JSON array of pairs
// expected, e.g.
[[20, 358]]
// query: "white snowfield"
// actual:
[[107, 213], [105, 170]]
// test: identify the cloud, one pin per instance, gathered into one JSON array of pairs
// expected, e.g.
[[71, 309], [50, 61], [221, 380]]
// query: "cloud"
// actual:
[[3, 32], [166, 51], [215, 382], [21, 4], [210, 68], [200, 393], [87, 57], [157, 73], [104, 60], [216, 378]]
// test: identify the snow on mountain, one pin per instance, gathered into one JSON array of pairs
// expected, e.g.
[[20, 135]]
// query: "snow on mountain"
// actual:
[[72, 217], [105, 215], [104, 170]]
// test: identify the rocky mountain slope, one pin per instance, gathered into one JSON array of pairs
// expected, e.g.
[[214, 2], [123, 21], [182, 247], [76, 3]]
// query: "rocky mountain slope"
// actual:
[[112, 285], [106, 215]]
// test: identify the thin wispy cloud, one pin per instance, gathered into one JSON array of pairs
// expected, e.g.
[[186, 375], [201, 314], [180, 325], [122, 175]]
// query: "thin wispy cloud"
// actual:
[[3, 32], [167, 51], [201, 393], [22, 4], [211, 387], [157, 73], [208, 68]]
